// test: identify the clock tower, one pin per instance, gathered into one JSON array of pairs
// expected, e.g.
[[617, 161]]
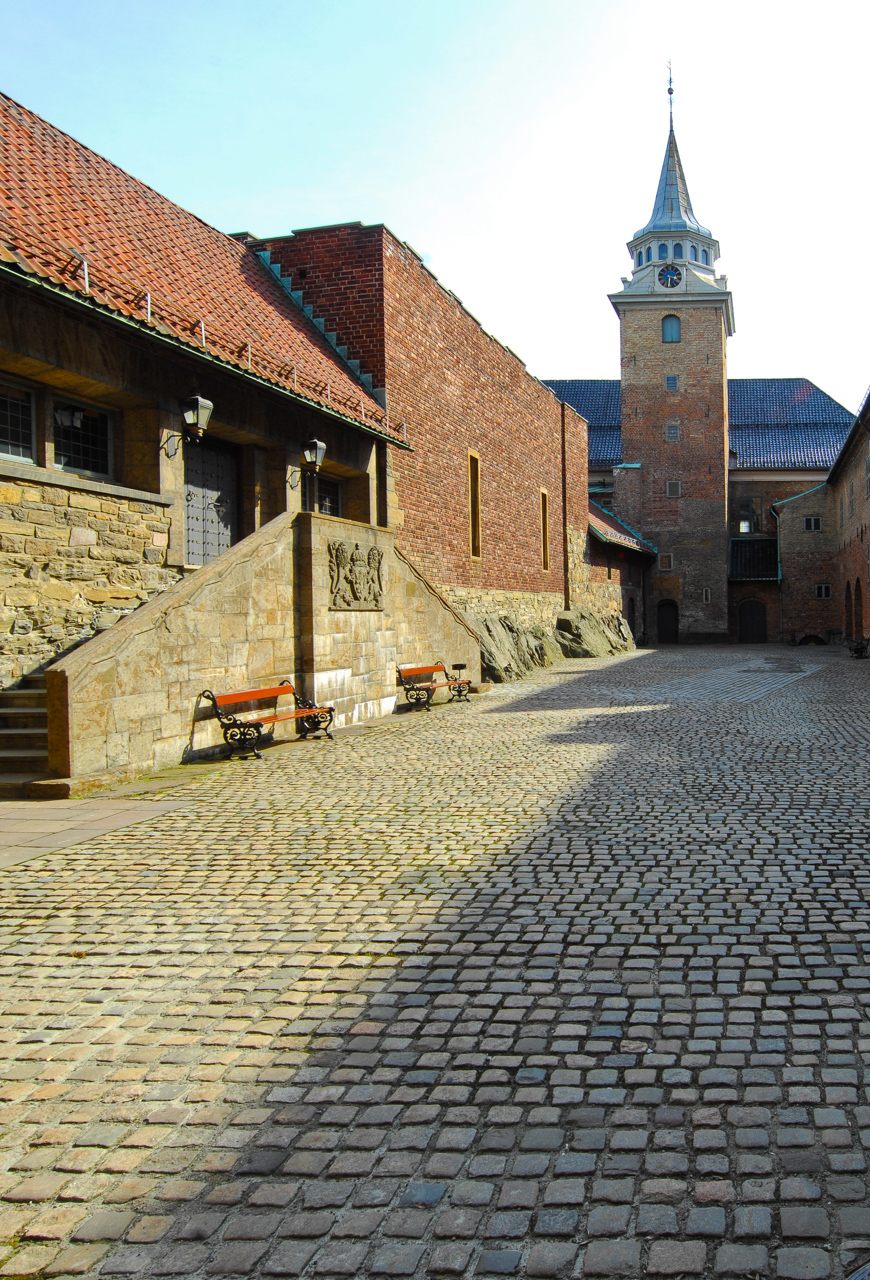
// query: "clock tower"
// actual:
[[675, 315]]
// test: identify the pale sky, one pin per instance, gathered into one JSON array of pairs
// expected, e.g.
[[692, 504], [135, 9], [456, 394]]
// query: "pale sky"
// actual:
[[516, 144]]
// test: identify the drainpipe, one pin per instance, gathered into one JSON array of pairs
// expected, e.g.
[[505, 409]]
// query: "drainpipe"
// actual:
[[775, 514]]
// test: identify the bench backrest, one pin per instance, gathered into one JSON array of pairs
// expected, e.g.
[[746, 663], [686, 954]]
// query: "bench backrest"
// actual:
[[435, 669], [254, 695]]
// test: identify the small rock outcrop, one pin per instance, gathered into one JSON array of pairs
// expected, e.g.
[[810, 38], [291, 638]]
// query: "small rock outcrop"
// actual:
[[509, 649], [583, 634]]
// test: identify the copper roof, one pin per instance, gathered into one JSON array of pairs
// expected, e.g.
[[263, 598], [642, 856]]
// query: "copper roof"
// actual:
[[67, 215]]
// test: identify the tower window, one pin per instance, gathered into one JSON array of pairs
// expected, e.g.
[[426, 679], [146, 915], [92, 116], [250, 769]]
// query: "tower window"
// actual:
[[672, 382], [705, 595], [812, 523], [640, 259], [666, 560], [674, 488], [672, 432], [851, 497], [663, 252], [671, 329], [678, 250], [705, 257], [750, 518], [823, 590], [649, 253], [693, 253]]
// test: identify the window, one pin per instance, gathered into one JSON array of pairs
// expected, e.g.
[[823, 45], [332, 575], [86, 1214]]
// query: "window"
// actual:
[[672, 382], [842, 502], [674, 488], [649, 253], [672, 432], [474, 503], [82, 439], [666, 560], [640, 259], [609, 568], [705, 257], [671, 329], [321, 494], [812, 524], [749, 515], [693, 253], [545, 532], [705, 595], [823, 590], [663, 252], [678, 250], [16, 423], [851, 497]]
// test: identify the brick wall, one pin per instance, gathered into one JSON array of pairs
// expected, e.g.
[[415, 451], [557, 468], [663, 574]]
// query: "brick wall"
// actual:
[[459, 391], [853, 534]]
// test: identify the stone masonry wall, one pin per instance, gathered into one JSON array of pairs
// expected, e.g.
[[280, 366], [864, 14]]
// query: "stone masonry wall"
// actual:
[[129, 699], [72, 563]]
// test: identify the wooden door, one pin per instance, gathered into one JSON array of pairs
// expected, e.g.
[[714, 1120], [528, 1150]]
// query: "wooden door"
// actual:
[[211, 499]]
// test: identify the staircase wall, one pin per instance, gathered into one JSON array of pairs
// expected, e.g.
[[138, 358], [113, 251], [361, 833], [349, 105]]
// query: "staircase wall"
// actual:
[[129, 700]]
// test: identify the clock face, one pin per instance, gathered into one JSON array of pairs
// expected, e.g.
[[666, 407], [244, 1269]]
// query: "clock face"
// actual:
[[670, 277]]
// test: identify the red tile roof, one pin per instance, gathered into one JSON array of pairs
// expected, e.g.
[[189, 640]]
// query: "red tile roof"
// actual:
[[56, 195]]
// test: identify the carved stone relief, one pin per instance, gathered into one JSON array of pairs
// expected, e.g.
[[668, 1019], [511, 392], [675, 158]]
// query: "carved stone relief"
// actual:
[[355, 576]]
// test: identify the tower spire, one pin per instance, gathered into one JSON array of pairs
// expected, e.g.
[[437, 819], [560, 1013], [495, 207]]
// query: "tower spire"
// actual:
[[671, 94]]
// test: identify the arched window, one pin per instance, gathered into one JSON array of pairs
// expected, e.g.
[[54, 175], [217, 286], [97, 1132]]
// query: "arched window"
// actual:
[[693, 253], [705, 257], [671, 329], [678, 250], [640, 259], [649, 253], [663, 252]]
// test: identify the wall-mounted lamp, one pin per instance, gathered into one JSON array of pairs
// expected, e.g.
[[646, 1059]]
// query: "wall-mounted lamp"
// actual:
[[313, 453], [196, 412]]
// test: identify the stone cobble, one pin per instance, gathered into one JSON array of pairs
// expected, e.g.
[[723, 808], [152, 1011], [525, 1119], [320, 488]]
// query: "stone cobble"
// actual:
[[570, 981]]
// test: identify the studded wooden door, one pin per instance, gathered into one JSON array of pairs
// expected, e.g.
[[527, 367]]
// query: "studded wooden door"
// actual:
[[211, 499]]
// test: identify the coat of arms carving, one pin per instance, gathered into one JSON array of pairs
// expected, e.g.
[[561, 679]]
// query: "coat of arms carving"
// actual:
[[355, 576]]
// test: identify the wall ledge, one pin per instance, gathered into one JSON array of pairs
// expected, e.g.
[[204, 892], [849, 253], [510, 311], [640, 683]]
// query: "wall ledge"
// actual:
[[69, 480]]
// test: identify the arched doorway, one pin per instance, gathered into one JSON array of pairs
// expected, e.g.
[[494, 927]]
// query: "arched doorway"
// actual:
[[849, 628], [668, 619], [752, 622], [859, 610], [631, 615]]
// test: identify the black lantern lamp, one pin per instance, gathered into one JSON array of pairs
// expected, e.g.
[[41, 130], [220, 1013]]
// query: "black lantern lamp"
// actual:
[[313, 453], [196, 412]]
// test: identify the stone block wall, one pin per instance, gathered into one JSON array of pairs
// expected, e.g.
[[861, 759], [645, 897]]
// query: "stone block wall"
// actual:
[[129, 699], [74, 558]]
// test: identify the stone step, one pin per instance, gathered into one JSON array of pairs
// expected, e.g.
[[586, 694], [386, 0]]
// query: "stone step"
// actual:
[[22, 697], [22, 759], [13, 785], [24, 736]]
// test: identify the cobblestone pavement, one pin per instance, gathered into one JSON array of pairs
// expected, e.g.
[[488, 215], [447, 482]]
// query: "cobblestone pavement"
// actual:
[[569, 981]]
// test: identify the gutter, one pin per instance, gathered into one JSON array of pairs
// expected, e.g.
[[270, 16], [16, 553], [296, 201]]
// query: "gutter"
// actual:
[[203, 357]]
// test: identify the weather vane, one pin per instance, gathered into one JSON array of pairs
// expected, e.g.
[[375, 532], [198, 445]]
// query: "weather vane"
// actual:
[[671, 93]]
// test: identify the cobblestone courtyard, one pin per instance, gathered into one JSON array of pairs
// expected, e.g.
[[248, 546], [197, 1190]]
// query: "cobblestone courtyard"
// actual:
[[567, 982]]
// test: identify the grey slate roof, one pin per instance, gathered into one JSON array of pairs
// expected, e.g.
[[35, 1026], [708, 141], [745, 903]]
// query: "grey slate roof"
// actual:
[[774, 422], [672, 210]]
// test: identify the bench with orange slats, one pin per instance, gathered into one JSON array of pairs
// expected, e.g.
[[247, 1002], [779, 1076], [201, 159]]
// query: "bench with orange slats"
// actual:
[[419, 682], [245, 735]]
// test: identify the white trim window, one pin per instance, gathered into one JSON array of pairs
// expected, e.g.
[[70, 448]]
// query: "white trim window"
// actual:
[[82, 440], [17, 423]]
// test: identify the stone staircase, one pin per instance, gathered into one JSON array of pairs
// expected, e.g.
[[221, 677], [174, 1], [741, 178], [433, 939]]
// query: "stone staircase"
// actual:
[[23, 736]]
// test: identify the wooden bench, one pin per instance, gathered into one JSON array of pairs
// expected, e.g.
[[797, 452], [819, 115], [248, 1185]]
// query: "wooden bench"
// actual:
[[245, 735], [420, 683]]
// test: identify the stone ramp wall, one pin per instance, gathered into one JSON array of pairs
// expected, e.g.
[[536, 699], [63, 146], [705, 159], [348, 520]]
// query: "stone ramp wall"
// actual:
[[126, 701]]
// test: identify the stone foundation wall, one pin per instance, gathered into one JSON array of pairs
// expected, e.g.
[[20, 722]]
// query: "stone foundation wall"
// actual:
[[529, 608], [72, 562]]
